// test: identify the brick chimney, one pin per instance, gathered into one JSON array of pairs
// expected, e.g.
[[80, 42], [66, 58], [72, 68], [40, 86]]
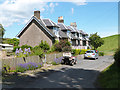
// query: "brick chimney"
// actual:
[[73, 24], [37, 14], [60, 19]]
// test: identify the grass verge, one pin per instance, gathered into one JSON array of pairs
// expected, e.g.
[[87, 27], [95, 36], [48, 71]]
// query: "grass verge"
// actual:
[[109, 78]]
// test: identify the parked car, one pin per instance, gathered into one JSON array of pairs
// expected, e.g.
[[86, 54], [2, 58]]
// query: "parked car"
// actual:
[[91, 54], [68, 58]]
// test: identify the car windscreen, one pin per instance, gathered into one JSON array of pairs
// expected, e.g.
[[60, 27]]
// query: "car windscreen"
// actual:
[[89, 51]]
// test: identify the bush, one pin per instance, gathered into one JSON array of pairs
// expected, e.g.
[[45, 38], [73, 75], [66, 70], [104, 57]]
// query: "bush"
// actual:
[[15, 47], [28, 66], [117, 57], [25, 46], [38, 51], [101, 53], [44, 45], [79, 51], [62, 45]]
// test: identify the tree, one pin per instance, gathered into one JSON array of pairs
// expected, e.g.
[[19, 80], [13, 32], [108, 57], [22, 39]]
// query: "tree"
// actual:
[[63, 45], [2, 32], [13, 41], [96, 41]]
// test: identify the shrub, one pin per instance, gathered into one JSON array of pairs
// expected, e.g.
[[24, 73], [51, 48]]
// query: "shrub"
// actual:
[[79, 51], [28, 66], [44, 45], [101, 53], [117, 57], [62, 45], [15, 47], [38, 51], [26, 46]]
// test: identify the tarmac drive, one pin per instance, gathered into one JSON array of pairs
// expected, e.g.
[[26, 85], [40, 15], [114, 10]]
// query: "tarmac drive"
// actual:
[[81, 75]]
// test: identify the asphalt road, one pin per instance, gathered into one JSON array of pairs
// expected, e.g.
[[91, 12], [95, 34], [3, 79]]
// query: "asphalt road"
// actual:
[[81, 75]]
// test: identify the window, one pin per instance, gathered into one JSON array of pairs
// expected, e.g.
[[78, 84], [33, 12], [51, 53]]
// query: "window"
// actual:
[[56, 31]]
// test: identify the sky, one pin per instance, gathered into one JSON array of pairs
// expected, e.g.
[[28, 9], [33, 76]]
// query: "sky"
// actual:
[[90, 16]]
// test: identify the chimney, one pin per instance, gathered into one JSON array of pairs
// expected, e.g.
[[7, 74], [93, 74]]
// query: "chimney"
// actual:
[[73, 24], [37, 14], [60, 19]]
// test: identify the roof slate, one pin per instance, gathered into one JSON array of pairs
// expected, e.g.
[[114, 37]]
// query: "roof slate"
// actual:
[[40, 23], [62, 34], [49, 22]]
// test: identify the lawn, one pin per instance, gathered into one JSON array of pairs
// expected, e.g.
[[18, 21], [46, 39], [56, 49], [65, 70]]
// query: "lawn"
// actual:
[[110, 44], [109, 78]]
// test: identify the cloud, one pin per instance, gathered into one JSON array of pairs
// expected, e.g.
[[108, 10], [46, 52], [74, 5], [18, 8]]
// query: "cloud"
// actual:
[[52, 5], [72, 10], [19, 10]]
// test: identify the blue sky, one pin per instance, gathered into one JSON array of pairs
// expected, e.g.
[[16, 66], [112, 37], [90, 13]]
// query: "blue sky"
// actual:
[[91, 17]]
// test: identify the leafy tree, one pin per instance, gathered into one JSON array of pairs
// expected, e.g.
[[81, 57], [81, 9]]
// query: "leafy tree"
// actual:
[[63, 45], [13, 41], [44, 45], [96, 41], [2, 32]]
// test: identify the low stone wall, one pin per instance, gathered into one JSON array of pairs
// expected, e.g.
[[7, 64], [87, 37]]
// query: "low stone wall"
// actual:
[[2, 54], [13, 62]]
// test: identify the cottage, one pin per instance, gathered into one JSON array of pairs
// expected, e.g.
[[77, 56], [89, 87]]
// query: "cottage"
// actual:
[[38, 29]]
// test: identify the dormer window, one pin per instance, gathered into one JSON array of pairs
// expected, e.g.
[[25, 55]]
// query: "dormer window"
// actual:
[[56, 31]]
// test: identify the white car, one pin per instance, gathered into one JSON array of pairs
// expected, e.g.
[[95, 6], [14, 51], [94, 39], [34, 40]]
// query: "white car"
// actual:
[[91, 54]]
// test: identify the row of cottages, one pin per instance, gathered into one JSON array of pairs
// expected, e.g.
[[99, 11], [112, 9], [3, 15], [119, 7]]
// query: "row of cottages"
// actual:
[[38, 29]]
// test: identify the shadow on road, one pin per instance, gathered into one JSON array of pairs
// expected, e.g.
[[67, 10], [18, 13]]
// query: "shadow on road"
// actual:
[[63, 78]]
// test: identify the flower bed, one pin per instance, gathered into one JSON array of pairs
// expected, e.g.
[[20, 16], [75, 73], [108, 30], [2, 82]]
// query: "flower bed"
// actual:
[[28, 66]]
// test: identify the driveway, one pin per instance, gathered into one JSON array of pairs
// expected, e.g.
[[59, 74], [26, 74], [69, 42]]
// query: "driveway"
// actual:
[[81, 75]]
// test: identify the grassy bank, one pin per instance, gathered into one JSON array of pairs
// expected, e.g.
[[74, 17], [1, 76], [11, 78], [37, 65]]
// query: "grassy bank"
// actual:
[[109, 78], [110, 44]]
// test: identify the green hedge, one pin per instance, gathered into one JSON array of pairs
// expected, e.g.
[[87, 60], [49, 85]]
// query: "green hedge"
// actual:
[[117, 57], [79, 51]]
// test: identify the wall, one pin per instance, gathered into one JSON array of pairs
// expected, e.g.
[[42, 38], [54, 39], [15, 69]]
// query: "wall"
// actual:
[[33, 36], [13, 62]]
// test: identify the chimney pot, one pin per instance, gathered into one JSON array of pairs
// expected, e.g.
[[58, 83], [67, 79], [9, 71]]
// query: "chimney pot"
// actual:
[[37, 14], [73, 24], [60, 19]]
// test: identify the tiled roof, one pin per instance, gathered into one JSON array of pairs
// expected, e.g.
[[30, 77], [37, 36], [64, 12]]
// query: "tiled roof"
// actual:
[[49, 22], [62, 34], [62, 26], [39, 21], [73, 29], [82, 32]]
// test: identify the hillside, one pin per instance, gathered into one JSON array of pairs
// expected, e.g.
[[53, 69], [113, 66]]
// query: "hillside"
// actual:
[[110, 44]]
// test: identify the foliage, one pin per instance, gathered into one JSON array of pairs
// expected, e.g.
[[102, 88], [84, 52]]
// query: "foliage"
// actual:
[[109, 78], [22, 53], [38, 51], [62, 46], [2, 31], [15, 47], [25, 46], [117, 56], [79, 51], [101, 53], [96, 41], [57, 61], [14, 41], [28, 66], [44, 45]]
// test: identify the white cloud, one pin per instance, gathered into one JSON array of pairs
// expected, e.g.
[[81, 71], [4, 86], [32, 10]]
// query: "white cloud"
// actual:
[[72, 10], [19, 10], [52, 5]]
